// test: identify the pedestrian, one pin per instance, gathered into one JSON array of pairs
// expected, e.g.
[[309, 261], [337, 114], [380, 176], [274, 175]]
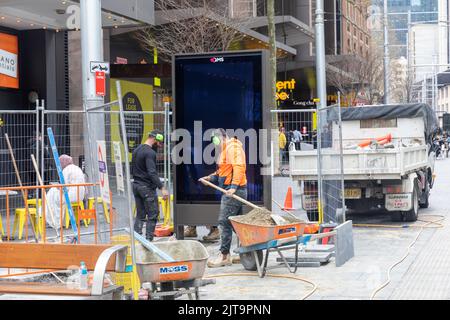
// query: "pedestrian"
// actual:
[[231, 176], [145, 183], [298, 138], [72, 175], [282, 141]]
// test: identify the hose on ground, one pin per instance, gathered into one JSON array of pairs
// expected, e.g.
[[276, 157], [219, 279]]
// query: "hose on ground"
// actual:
[[423, 227], [270, 275]]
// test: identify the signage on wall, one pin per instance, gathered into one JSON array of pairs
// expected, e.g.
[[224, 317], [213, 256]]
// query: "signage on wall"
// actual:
[[103, 171], [100, 66], [136, 97], [119, 169], [100, 84], [120, 60], [282, 87], [9, 62]]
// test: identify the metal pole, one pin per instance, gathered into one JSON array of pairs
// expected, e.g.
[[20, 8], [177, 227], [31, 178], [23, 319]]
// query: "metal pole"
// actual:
[[341, 153], [433, 86], [386, 55], [165, 145], [91, 50], [321, 93], [169, 171], [43, 141], [409, 72], [335, 28], [37, 155], [127, 172]]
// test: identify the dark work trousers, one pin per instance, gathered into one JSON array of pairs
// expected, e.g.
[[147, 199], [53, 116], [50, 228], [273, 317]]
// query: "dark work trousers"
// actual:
[[229, 207], [147, 209]]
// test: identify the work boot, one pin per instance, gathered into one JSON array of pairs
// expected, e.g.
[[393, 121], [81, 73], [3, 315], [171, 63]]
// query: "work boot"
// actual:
[[190, 232], [236, 259], [222, 260], [214, 235]]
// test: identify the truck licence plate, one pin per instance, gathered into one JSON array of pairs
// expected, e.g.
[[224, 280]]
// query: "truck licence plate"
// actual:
[[400, 202], [309, 202], [352, 193]]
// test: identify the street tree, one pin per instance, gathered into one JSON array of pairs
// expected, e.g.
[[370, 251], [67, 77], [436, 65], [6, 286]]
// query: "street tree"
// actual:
[[191, 26], [354, 76]]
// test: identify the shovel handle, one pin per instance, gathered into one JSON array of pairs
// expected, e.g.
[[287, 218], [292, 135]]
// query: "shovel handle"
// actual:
[[212, 185]]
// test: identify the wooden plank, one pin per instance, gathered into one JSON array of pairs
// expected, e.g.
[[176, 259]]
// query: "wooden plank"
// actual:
[[41, 288], [51, 256]]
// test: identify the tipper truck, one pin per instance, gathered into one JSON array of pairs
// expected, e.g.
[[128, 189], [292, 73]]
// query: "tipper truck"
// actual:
[[388, 160]]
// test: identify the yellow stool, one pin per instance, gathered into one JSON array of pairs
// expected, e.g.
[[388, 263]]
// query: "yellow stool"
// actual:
[[165, 209], [19, 220], [105, 207], [75, 207], [32, 203]]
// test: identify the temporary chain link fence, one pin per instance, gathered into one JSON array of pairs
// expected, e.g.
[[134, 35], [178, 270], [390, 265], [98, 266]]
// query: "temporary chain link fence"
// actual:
[[27, 132], [297, 149], [331, 169]]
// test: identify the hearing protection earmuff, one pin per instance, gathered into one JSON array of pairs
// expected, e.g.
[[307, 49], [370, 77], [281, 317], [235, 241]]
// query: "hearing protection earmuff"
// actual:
[[216, 135], [159, 137]]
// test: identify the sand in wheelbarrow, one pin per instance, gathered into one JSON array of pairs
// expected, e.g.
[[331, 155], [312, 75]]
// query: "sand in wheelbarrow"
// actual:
[[260, 217], [178, 250]]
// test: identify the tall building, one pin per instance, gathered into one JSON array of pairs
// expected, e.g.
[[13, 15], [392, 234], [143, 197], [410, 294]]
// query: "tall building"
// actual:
[[404, 13], [346, 34]]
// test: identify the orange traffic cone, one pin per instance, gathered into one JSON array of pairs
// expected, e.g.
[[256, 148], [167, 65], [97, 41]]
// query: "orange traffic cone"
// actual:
[[367, 142], [288, 200]]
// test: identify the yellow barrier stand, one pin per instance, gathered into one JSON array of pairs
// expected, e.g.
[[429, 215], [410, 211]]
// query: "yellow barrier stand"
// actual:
[[91, 204], [76, 206], [129, 279]]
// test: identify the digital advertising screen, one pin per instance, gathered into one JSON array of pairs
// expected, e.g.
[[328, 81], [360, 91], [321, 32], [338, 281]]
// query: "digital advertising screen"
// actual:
[[216, 91]]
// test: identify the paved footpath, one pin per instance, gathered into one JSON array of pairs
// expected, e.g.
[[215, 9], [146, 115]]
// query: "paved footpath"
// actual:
[[422, 275], [428, 277]]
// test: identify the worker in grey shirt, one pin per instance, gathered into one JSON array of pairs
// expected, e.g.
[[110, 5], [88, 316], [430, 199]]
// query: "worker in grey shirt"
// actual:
[[146, 182]]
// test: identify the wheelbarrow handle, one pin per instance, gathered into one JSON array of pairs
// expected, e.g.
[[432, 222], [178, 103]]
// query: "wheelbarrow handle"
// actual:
[[212, 185]]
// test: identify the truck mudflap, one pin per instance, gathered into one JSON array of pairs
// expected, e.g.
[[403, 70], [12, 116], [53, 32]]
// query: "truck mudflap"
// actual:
[[399, 202]]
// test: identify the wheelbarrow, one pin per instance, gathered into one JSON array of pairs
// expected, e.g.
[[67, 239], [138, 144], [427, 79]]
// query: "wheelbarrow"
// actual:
[[169, 280], [254, 239]]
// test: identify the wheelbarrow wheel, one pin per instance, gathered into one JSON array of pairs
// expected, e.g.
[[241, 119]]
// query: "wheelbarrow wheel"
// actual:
[[248, 260], [167, 286]]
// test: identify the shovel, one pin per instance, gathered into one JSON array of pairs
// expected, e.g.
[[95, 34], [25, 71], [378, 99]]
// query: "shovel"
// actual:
[[277, 219]]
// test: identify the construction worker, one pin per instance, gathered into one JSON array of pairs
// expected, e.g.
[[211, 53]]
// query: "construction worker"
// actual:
[[231, 176], [145, 183]]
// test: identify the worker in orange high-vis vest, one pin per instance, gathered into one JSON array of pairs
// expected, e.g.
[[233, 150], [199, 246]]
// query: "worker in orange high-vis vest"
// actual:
[[231, 176]]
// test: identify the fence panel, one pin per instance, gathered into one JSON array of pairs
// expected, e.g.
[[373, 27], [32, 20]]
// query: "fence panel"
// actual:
[[297, 139]]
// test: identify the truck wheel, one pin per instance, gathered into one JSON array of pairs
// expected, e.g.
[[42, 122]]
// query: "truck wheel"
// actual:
[[413, 214], [248, 260], [313, 216], [426, 203]]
